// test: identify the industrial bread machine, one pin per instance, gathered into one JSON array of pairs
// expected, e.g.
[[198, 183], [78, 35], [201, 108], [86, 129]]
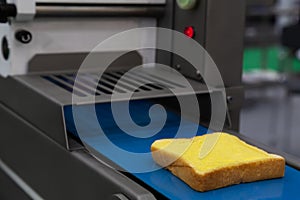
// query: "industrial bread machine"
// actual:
[[42, 84]]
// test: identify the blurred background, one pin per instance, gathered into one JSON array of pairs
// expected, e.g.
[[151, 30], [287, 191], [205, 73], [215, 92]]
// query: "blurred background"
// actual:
[[271, 74]]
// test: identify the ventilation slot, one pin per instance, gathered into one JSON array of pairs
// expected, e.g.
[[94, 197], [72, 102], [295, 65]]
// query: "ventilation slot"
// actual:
[[88, 84]]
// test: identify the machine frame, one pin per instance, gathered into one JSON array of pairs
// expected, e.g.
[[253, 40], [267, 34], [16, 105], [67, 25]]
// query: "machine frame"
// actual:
[[34, 142]]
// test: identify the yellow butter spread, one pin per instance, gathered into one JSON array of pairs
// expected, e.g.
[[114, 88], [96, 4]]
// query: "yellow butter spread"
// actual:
[[227, 150]]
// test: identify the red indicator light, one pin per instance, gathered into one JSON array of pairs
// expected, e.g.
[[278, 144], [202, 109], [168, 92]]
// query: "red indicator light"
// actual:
[[189, 31]]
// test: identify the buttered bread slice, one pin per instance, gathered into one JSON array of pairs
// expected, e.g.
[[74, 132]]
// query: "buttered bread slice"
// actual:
[[228, 161]]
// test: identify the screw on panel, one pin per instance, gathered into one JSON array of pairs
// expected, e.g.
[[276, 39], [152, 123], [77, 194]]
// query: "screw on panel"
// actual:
[[229, 99], [23, 36]]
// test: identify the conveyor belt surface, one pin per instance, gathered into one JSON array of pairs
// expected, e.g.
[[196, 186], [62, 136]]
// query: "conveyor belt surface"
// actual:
[[162, 180]]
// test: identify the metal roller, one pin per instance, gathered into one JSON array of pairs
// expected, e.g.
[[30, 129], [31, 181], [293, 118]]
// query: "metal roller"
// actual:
[[98, 11]]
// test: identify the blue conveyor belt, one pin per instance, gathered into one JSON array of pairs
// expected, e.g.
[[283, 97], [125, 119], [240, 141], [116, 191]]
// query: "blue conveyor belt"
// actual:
[[162, 180]]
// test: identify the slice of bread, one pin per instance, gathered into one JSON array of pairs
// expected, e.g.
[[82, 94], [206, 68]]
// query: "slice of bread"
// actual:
[[229, 161]]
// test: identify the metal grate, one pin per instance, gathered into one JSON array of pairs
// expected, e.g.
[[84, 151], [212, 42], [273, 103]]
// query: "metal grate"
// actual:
[[107, 85]]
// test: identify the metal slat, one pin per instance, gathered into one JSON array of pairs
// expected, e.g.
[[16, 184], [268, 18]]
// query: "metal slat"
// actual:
[[113, 87], [82, 83], [154, 80], [79, 85], [88, 84], [121, 83], [69, 85], [94, 80], [100, 88], [136, 83], [125, 81], [136, 78], [152, 84], [160, 79]]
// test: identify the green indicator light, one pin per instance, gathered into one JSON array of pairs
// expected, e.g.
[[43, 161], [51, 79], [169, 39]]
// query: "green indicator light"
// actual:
[[186, 4]]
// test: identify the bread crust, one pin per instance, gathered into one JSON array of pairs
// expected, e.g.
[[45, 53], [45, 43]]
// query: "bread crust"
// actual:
[[242, 173], [261, 169]]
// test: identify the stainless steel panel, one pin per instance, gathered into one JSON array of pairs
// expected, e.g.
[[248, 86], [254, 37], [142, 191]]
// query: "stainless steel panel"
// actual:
[[56, 173], [224, 37], [219, 28]]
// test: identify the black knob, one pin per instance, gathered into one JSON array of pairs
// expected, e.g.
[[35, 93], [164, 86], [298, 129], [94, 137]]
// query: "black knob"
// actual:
[[6, 11], [23, 36]]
